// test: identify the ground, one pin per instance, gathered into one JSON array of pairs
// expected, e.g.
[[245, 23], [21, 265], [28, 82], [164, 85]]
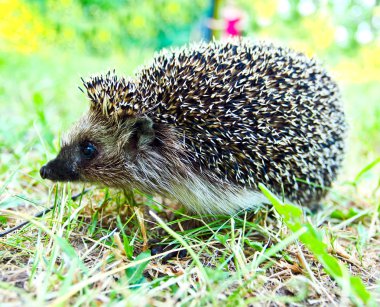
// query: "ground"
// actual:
[[94, 250]]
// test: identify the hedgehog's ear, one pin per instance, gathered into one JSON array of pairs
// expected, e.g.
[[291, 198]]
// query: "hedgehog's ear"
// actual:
[[142, 135], [144, 131]]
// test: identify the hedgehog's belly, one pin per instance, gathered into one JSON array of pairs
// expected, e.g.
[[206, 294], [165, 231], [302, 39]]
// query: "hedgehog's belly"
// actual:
[[200, 196]]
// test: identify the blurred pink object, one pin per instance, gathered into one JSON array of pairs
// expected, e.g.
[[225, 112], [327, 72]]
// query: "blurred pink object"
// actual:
[[232, 27], [234, 19]]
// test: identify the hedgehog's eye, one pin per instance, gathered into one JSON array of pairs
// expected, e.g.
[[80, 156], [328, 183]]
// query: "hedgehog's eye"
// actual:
[[88, 150]]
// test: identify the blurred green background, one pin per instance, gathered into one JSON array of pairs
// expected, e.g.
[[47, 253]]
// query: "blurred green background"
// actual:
[[46, 46]]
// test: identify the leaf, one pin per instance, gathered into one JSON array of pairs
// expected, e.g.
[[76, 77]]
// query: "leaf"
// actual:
[[222, 238], [3, 220], [255, 245], [135, 274], [344, 215]]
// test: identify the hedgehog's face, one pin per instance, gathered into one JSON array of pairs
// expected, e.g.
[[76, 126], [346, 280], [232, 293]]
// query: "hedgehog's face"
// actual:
[[97, 149]]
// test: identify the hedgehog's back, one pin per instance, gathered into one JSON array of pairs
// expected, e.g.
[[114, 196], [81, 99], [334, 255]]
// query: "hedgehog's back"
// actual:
[[250, 113]]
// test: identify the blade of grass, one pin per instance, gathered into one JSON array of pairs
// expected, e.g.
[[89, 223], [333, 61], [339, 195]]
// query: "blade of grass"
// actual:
[[65, 246], [103, 275], [366, 169], [184, 243]]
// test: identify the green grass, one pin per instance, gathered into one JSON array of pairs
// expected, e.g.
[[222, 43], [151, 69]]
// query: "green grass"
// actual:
[[92, 250]]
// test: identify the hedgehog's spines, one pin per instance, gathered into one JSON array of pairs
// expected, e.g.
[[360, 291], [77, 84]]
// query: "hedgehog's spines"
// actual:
[[110, 94]]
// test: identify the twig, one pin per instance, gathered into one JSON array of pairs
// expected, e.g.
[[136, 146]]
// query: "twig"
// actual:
[[39, 214]]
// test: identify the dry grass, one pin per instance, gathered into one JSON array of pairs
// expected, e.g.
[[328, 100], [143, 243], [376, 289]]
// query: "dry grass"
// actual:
[[89, 261]]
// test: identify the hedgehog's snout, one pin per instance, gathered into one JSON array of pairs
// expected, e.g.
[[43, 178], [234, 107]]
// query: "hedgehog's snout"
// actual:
[[44, 172], [58, 170]]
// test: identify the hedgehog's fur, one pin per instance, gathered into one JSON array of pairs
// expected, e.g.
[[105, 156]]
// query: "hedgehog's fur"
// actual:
[[208, 122]]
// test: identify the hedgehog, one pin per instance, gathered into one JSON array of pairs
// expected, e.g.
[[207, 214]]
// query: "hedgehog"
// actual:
[[206, 123]]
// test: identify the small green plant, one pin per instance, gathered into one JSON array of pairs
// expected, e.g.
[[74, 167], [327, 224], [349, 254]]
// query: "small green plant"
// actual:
[[313, 240]]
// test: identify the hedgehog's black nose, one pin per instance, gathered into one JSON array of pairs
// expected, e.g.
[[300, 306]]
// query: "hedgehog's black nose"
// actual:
[[59, 170], [43, 172]]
